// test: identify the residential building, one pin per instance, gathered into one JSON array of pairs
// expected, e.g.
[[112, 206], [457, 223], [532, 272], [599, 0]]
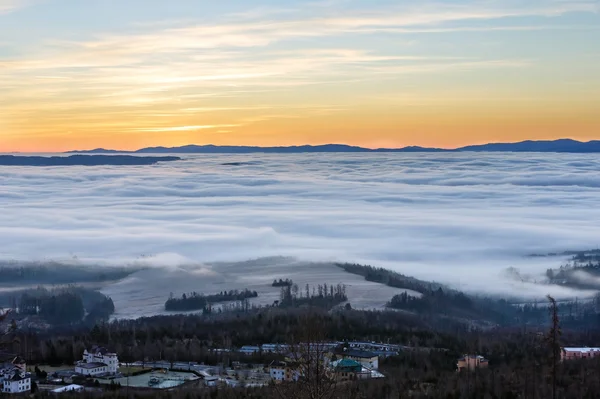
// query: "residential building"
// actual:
[[471, 362], [349, 370], [91, 369], [283, 371], [98, 361], [368, 359], [579, 353], [211, 381], [274, 348], [13, 374], [16, 381], [12, 360], [249, 350], [64, 376]]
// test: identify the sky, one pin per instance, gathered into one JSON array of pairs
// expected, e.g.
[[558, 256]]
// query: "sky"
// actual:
[[126, 74]]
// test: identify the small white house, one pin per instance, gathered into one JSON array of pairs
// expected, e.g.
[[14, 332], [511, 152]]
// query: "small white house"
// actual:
[[281, 371], [211, 381], [91, 369], [277, 372]]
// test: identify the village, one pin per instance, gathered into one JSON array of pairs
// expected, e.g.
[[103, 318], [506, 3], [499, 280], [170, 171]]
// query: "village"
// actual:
[[100, 369]]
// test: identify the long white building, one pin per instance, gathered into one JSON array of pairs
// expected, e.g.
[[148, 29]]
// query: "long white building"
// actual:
[[579, 353]]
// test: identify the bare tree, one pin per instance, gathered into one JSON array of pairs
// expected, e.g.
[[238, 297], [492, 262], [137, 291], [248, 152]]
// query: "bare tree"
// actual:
[[554, 340], [307, 362]]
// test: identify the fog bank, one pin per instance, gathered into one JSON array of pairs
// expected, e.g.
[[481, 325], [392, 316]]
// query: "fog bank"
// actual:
[[457, 218]]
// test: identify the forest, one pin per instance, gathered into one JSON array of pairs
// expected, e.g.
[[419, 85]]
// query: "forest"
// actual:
[[58, 273], [581, 272], [520, 360], [62, 305], [282, 283], [388, 277], [196, 301], [434, 329], [321, 296]]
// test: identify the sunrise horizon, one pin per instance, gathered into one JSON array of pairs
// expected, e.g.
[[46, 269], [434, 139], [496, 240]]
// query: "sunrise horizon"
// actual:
[[303, 144]]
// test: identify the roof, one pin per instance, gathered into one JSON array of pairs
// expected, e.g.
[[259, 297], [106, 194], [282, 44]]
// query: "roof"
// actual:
[[72, 387], [357, 353], [582, 350], [100, 350], [481, 358], [347, 364], [20, 377], [276, 363], [91, 365], [274, 346]]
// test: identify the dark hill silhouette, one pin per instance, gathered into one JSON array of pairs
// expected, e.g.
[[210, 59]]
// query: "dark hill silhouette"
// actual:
[[213, 149], [96, 151], [208, 149], [82, 160], [562, 145]]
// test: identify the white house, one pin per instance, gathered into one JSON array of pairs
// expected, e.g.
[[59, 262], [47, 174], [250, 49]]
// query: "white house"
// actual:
[[15, 381], [91, 369], [98, 361], [281, 371], [211, 381], [13, 375]]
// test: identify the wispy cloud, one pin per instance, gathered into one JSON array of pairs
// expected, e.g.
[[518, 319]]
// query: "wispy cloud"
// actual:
[[228, 65], [182, 128], [7, 6]]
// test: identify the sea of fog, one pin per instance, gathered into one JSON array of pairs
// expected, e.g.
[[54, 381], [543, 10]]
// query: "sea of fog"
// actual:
[[459, 218]]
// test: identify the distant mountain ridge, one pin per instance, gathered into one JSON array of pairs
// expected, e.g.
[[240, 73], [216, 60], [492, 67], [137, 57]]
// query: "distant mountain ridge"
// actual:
[[83, 160], [561, 146]]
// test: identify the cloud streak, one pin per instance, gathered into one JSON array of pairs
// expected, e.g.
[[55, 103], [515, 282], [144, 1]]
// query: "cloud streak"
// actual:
[[8, 6]]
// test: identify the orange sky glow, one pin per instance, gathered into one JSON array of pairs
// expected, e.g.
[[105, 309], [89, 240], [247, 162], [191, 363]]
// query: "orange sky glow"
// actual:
[[307, 73]]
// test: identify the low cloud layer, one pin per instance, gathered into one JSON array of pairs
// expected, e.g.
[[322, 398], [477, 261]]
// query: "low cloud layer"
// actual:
[[456, 218]]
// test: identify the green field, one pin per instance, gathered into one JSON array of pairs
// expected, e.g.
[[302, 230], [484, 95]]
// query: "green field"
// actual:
[[49, 369], [133, 370]]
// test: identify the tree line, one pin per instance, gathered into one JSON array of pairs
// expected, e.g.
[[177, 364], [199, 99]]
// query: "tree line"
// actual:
[[523, 363], [64, 305], [322, 296], [196, 301]]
